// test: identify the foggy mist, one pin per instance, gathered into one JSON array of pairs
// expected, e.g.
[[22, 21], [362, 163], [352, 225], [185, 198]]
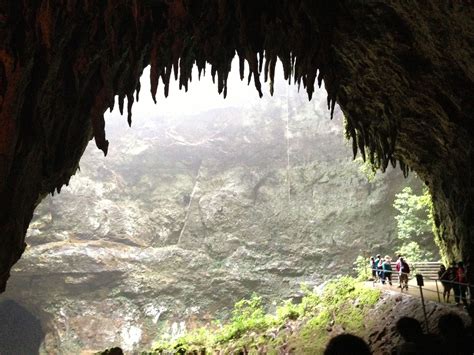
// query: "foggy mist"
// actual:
[[202, 202]]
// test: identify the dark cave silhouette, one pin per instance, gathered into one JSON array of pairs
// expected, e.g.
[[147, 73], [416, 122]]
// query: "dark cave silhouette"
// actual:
[[20, 331]]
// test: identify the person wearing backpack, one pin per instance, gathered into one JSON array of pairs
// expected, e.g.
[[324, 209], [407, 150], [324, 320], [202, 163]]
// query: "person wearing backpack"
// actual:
[[387, 270], [378, 265], [404, 271], [461, 284]]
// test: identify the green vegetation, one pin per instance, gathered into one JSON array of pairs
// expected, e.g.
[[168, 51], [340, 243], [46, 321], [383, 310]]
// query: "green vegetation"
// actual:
[[415, 230], [366, 168], [304, 326], [414, 224], [362, 268], [413, 252], [415, 216]]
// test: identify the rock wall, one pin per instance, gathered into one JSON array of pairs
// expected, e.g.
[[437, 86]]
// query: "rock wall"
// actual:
[[401, 71], [189, 214]]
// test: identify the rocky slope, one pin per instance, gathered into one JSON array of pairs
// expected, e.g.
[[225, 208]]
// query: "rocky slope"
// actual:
[[392, 306], [188, 214]]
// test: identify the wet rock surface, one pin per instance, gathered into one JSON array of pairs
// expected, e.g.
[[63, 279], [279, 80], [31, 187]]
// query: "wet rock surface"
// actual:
[[139, 246]]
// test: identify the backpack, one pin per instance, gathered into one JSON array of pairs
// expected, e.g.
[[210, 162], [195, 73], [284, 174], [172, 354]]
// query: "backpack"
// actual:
[[405, 267]]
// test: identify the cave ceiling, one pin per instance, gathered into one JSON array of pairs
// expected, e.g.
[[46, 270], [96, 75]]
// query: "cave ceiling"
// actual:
[[402, 72]]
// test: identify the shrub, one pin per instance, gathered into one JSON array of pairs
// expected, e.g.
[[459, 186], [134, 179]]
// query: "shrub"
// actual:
[[362, 268], [343, 301]]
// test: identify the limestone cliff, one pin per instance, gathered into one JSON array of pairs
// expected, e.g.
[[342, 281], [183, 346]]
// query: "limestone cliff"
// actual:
[[188, 214]]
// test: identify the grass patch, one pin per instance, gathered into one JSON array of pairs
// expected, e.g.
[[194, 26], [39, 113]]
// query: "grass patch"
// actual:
[[305, 326]]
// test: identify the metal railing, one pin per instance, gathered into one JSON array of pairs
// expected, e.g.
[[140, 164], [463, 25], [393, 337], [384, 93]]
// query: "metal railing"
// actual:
[[463, 293], [462, 286]]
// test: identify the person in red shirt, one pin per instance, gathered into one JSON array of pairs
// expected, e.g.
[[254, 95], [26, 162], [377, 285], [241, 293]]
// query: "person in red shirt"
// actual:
[[397, 267], [461, 284], [399, 262]]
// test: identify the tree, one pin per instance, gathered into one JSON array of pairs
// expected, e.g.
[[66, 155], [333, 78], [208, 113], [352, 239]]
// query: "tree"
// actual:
[[413, 252], [415, 217], [414, 224], [362, 268]]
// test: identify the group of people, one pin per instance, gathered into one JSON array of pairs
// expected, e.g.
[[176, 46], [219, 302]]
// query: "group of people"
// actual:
[[454, 278], [453, 339], [382, 270]]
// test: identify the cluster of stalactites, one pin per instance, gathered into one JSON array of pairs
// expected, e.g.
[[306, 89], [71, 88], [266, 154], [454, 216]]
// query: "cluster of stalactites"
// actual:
[[112, 42], [259, 65], [376, 148], [212, 33], [302, 47]]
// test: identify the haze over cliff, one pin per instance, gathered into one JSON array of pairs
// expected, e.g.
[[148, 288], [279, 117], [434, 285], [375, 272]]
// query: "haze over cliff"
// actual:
[[195, 208]]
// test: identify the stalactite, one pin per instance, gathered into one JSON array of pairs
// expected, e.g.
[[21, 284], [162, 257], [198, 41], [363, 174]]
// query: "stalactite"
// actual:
[[63, 63], [129, 109]]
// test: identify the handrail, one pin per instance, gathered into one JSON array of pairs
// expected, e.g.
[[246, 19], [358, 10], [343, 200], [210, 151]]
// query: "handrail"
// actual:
[[469, 287], [427, 278], [450, 281]]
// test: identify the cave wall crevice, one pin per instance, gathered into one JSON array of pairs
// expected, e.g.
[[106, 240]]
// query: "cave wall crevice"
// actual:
[[402, 72]]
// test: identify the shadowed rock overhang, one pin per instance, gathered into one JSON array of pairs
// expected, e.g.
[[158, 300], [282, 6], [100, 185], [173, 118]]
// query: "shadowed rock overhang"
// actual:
[[402, 72]]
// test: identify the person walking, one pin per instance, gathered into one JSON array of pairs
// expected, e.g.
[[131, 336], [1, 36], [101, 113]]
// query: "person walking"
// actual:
[[461, 284], [378, 263], [444, 277], [404, 271], [387, 270], [373, 267], [397, 268], [453, 271]]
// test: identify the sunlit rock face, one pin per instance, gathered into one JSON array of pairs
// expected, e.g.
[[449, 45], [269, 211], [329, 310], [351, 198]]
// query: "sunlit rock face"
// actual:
[[188, 214]]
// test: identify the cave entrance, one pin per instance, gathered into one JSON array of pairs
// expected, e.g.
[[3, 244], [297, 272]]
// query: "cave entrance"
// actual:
[[200, 203]]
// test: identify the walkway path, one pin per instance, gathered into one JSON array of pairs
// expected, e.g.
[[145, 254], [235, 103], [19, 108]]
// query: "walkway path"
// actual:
[[413, 289], [432, 289], [429, 290]]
